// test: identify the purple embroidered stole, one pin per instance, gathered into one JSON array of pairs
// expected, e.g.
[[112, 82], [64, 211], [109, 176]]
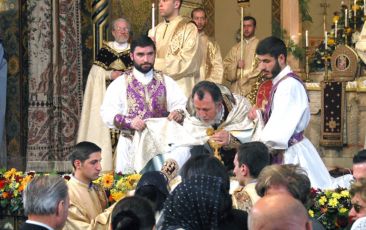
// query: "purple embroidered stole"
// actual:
[[146, 101], [296, 137]]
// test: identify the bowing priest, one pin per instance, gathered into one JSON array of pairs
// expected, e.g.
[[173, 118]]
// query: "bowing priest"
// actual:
[[112, 59], [141, 93], [219, 118]]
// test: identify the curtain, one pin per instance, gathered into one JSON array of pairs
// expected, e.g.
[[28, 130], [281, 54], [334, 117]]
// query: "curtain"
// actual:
[[55, 83]]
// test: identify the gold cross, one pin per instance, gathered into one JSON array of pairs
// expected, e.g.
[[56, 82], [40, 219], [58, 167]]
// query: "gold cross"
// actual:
[[324, 5]]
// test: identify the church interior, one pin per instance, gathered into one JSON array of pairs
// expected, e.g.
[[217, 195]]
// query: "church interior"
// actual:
[[51, 45]]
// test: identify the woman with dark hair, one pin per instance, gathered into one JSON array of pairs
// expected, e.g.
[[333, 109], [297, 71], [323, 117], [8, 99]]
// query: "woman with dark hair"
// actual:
[[153, 186], [203, 196], [133, 213], [202, 202], [205, 165]]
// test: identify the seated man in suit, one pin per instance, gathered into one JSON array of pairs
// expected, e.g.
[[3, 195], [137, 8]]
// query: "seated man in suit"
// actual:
[[46, 202]]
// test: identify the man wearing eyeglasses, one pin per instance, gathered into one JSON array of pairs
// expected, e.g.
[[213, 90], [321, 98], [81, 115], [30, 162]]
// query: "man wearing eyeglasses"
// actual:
[[112, 60]]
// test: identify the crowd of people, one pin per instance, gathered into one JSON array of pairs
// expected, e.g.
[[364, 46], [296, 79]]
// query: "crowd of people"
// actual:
[[268, 197], [159, 106]]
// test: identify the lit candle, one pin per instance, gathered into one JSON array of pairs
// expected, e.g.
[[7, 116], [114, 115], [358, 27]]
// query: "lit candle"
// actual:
[[335, 29], [306, 38], [354, 5], [325, 39], [345, 18], [153, 16], [364, 7]]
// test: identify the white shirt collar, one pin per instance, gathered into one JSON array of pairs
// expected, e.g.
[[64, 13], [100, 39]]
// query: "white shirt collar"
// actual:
[[122, 46], [141, 77], [39, 224], [282, 74]]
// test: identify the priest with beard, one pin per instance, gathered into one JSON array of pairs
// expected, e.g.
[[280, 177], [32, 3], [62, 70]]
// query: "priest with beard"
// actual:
[[286, 115], [220, 118], [140, 94]]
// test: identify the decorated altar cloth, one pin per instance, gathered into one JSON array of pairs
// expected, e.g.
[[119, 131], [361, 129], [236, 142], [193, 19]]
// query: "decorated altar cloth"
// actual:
[[332, 113]]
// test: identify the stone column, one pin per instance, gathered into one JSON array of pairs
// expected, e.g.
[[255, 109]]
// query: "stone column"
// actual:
[[290, 20]]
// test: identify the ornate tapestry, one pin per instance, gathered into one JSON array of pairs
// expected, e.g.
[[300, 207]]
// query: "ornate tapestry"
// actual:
[[332, 113], [55, 86]]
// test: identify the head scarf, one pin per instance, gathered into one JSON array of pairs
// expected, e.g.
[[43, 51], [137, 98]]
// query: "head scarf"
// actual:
[[154, 178], [200, 202]]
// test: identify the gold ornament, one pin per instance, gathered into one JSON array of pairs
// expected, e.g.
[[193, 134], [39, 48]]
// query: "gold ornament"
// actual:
[[213, 144]]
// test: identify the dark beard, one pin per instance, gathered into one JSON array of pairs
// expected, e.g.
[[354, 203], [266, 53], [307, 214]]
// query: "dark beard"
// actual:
[[143, 70], [276, 69]]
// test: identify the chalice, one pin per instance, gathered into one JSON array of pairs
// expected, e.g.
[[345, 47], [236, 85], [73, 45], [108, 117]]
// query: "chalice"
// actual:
[[213, 144]]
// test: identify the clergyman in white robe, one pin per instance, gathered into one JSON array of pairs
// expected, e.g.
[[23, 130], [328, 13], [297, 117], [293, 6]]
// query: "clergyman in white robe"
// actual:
[[290, 113], [116, 102]]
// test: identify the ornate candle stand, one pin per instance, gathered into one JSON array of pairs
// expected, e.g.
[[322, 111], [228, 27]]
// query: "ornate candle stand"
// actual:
[[307, 54]]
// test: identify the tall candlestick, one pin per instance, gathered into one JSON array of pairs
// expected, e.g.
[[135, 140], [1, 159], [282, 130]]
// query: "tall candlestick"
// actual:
[[345, 18], [153, 16], [325, 39], [241, 38], [335, 29], [326, 55], [306, 38], [307, 78], [364, 7]]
